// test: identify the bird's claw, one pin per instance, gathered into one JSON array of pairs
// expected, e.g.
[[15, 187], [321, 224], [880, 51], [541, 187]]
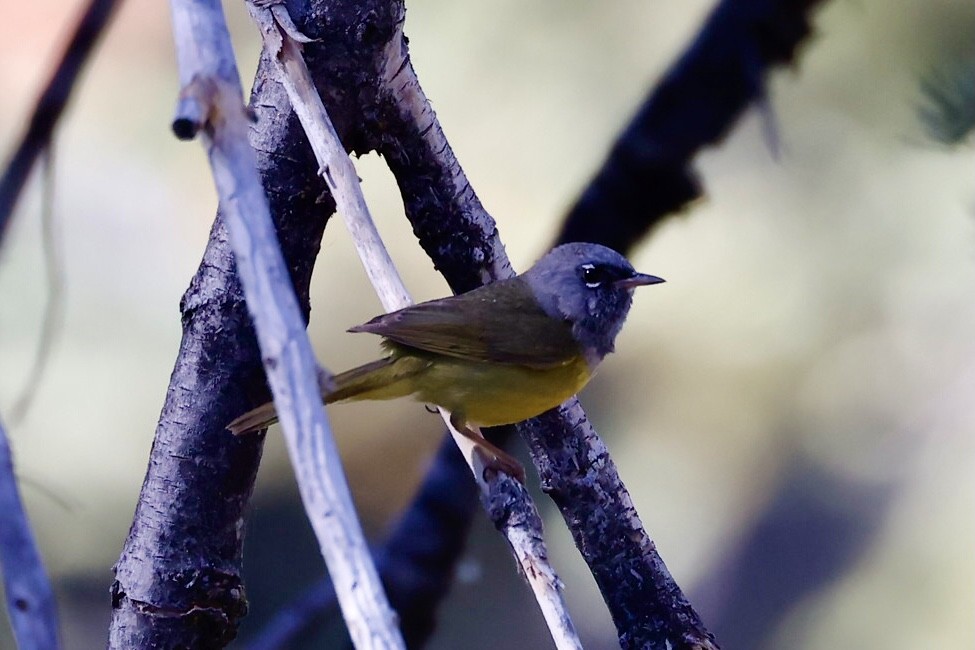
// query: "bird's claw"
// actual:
[[493, 459]]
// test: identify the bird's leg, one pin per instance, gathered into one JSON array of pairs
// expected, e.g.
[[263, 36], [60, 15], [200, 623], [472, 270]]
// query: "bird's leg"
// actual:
[[491, 456]]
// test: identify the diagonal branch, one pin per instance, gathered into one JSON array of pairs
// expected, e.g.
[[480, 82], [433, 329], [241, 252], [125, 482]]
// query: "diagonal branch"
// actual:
[[30, 599], [178, 579], [744, 39], [50, 105], [211, 91], [647, 606], [506, 500], [646, 177], [648, 174]]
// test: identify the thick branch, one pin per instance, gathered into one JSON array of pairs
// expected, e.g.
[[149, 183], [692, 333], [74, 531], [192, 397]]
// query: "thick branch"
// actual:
[[178, 579], [211, 89], [576, 470], [461, 238]]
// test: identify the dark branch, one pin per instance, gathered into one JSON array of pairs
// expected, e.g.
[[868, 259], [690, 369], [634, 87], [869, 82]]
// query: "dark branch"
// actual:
[[51, 104], [576, 470], [178, 580], [696, 104], [648, 173], [833, 519], [648, 607]]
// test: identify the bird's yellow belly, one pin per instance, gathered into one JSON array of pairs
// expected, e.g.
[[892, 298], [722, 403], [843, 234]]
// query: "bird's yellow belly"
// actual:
[[494, 394]]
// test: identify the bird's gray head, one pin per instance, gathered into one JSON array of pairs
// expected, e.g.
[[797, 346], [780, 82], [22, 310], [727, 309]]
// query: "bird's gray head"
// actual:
[[591, 287]]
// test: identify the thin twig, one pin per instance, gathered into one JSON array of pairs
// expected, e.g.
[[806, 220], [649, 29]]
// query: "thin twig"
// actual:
[[53, 315], [30, 599], [50, 105], [316, 603], [417, 564], [523, 533], [211, 101]]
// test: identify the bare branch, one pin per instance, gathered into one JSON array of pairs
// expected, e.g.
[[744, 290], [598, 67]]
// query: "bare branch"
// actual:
[[53, 315], [50, 106], [30, 599], [209, 77], [178, 579], [648, 173], [647, 605], [516, 515], [744, 37]]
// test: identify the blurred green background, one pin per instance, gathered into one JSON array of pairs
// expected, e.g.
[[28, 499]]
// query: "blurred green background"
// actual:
[[793, 411]]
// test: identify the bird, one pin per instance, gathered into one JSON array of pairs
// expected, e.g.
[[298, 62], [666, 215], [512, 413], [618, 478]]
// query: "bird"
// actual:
[[499, 354]]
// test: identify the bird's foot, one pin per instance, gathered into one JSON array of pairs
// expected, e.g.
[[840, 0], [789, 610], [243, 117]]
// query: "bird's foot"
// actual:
[[487, 458]]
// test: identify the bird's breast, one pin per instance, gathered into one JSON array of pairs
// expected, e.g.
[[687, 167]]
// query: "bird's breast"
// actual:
[[492, 394]]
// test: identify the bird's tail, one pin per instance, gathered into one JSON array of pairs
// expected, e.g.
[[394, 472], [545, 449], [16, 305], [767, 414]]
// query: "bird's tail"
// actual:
[[377, 380]]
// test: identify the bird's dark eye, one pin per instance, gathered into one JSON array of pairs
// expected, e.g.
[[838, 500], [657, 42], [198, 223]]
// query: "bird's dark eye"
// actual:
[[593, 275]]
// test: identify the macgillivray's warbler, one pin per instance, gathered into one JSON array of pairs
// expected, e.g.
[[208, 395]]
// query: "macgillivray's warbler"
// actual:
[[499, 354]]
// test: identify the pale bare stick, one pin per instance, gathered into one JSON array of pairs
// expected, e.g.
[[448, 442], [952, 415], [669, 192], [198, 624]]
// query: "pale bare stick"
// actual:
[[212, 104], [337, 169], [282, 42]]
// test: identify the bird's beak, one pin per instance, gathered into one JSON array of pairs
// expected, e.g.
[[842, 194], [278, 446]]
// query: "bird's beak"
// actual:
[[638, 280]]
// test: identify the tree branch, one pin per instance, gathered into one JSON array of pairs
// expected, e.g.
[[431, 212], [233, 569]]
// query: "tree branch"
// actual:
[[506, 500], [648, 173], [211, 89], [50, 105], [648, 607], [30, 599], [738, 44], [178, 579]]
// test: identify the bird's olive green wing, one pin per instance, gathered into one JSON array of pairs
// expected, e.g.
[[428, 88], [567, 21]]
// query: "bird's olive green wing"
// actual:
[[499, 322]]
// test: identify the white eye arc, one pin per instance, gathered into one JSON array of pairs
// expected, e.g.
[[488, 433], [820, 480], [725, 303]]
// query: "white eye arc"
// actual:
[[590, 275]]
